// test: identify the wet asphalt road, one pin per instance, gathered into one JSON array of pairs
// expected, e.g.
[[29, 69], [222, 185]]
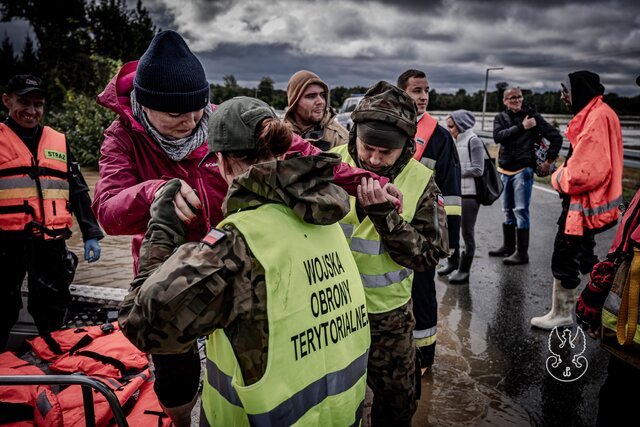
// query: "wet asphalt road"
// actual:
[[490, 363]]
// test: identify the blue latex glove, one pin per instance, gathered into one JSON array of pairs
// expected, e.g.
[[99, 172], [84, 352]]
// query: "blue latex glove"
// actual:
[[91, 250]]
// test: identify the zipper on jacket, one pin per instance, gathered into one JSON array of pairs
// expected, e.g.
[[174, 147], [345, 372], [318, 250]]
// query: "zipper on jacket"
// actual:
[[205, 203], [36, 178]]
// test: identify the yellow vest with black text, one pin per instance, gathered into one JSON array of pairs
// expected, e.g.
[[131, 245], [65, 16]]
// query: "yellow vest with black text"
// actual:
[[318, 330], [34, 189], [387, 284]]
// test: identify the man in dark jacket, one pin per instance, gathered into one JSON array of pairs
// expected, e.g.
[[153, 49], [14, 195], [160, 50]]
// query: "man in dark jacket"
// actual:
[[435, 149], [517, 130]]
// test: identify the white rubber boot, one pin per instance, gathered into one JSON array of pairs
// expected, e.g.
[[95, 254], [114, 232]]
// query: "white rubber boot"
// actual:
[[562, 306]]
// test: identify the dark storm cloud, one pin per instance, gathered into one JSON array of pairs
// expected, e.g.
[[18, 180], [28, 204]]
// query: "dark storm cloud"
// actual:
[[349, 42]]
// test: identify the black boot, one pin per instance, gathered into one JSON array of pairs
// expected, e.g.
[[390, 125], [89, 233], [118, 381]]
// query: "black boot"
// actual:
[[461, 275], [509, 241], [451, 264], [522, 254]]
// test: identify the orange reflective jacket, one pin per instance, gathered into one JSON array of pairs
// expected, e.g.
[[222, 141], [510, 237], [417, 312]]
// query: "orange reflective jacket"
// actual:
[[34, 190], [592, 176]]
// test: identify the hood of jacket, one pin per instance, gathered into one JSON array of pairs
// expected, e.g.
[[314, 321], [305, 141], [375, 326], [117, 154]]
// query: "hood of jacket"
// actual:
[[116, 96], [302, 183], [463, 119], [298, 83], [585, 86]]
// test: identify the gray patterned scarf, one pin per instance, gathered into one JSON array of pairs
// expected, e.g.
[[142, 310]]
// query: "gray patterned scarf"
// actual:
[[176, 149]]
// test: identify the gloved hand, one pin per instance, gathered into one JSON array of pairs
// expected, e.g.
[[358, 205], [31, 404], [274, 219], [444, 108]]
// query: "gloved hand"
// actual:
[[591, 300], [185, 201], [165, 215], [91, 250], [165, 231]]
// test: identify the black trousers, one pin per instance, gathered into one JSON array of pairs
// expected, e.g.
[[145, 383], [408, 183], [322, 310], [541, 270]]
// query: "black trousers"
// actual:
[[572, 255], [425, 310], [49, 267], [177, 377]]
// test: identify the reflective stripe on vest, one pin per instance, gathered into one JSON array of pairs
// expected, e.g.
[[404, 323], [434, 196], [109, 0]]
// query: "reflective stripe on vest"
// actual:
[[426, 126], [291, 410], [318, 330], [387, 284], [34, 189]]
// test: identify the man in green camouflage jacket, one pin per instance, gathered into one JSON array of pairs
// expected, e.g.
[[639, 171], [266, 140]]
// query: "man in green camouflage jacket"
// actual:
[[388, 246]]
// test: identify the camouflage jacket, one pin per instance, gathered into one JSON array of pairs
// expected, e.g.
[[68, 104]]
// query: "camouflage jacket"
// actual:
[[184, 293]]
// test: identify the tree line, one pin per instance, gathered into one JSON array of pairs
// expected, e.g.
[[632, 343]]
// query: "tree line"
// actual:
[[79, 46], [547, 102]]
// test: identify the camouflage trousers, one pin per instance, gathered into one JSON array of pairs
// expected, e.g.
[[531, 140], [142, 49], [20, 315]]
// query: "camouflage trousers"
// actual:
[[391, 370]]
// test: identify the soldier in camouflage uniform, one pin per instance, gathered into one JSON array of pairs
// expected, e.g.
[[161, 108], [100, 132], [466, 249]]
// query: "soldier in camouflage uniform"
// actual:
[[186, 290], [381, 141]]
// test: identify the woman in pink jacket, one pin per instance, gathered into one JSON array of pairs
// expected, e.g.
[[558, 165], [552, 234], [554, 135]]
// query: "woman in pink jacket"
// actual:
[[162, 102]]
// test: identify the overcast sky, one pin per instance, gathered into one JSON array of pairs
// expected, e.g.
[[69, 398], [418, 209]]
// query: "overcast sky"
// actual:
[[353, 43]]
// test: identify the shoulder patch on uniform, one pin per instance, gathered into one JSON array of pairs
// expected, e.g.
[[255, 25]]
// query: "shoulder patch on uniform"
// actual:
[[440, 200], [214, 236]]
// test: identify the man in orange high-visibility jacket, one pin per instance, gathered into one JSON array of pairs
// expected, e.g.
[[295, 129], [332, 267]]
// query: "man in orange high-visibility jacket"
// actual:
[[590, 185], [40, 186]]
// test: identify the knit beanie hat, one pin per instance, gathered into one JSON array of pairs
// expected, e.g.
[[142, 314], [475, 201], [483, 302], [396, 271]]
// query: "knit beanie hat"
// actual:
[[386, 116], [298, 83], [169, 77], [463, 119]]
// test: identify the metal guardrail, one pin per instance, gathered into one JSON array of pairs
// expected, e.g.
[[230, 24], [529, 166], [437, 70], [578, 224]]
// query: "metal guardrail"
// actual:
[[631, 157], [87, 383]]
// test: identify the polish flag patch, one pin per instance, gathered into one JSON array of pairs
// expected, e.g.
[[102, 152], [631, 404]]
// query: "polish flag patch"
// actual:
[[440, 200], [214, 236]]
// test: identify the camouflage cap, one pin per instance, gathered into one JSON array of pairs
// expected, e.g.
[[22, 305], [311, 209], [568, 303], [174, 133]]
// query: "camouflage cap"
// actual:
[[387, 103], [233, 124]]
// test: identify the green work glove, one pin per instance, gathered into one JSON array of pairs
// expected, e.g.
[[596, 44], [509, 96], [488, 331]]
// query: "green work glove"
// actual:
[[165, 231]]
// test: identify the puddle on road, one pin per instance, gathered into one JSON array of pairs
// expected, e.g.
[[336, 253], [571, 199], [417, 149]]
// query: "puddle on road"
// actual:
[[462, 390]]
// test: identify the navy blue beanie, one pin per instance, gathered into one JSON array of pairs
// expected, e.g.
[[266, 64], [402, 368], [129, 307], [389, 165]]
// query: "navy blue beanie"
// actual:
[[169, 77]]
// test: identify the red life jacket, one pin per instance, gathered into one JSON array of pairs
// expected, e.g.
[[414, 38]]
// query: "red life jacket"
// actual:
[[426, 127], [27, 405], [73, 407], [147, 410], [62, 341], [34, 190], [105, 353], [92, 351]]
